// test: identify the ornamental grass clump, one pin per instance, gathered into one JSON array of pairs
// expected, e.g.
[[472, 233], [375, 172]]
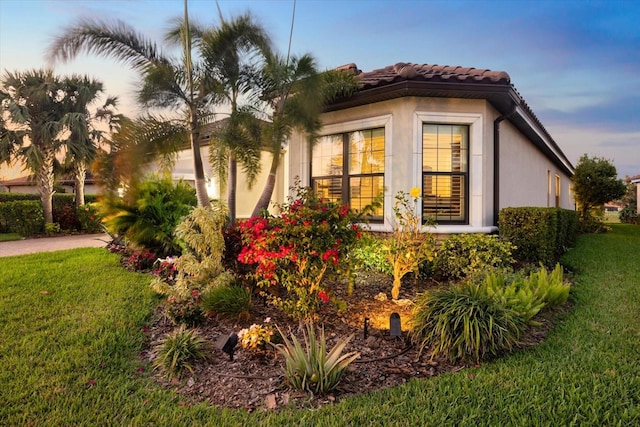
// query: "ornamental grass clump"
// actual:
[[308, 365], [463, 322], [177, 351], [292, 253], [408, 246], [228, 300]]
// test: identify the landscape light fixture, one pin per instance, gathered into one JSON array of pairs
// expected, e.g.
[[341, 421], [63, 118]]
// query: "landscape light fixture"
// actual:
[[228, 344]]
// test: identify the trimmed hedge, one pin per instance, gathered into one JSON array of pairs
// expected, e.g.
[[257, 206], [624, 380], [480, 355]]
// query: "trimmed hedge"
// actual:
[[24, 217], [18, 215], [540, 234]]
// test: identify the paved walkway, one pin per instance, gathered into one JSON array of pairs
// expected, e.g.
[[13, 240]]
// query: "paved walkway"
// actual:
[[49, 244]]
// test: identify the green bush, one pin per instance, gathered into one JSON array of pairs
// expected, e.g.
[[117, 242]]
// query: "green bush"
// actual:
[[177, 351], [629, 216], [539, 234], [463, 322], [369, 255], [462, 255], [24, 217], [228, 300], [149, 214], [527, 295], [310, 367]]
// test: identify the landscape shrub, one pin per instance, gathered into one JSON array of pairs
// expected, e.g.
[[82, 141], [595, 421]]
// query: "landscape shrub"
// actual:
[[178, 350], [310, 367], [629, 216], [408, 246], [89, 218], [64, 211], [139, 260], [369, 255], [539, 234], [228, 300], [148, 215], [462, 255], [198, 270], [463, 322], [310, 240], [24, 217]]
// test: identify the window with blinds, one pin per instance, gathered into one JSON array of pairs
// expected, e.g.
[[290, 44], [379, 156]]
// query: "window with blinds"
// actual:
[[445, 173], [349, 167]]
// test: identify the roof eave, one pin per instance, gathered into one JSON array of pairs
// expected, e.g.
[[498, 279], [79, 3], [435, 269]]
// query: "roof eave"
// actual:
[[503, 97]]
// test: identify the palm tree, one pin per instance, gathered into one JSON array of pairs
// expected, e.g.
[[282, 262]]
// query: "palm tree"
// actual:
[[81, 152], [230, 53], [176, 84], [41, 113], [295, 93]]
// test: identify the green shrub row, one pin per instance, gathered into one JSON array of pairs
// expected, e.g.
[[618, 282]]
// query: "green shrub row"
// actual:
[[22, 214], [539, 234], [24, 217]]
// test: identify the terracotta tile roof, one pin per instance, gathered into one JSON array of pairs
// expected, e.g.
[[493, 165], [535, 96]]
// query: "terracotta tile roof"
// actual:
[[444, 81], [426, 72], [635, 178]]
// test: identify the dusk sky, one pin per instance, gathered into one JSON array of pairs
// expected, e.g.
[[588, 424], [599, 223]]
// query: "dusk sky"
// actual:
[[576, 63]]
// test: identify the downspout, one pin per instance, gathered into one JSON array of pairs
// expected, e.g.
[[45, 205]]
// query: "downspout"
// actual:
[[496, 163]]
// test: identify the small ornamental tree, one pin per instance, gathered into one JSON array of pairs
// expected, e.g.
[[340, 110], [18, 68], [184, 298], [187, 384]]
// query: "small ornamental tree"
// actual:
[[595, 182], [408, 246], [295, 251]]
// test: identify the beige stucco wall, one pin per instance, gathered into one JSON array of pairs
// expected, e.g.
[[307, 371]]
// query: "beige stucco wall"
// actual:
[[246, 198], [523, 167], [527, 177], [402, 120]]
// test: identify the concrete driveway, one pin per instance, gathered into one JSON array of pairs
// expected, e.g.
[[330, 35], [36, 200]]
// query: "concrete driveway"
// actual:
[[50, 244]]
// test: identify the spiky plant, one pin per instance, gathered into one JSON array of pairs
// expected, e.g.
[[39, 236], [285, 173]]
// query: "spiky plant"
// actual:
[[178, 350], [308, 366]]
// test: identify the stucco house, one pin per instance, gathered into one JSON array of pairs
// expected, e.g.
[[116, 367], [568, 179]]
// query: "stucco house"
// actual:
[[464, 136], [636, 180]]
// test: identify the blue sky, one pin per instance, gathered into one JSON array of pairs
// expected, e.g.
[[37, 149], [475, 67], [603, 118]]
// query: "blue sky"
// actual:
[[576, 63]]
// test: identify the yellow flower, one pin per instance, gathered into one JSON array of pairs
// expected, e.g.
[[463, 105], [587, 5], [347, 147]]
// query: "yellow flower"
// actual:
[[415, 192]]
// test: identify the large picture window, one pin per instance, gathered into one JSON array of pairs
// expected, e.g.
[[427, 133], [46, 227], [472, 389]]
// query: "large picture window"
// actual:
[[349, 167], [445, 173]]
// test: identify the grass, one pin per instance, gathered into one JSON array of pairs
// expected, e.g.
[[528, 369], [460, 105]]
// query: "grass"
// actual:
[[70, 338], [8, 237]]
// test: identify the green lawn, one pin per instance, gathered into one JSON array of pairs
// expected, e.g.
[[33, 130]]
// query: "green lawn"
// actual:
[[71, 332], [8, 237]]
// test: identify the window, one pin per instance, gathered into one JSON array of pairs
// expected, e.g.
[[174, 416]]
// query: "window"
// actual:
[[349, 167], [445, 173], [557, 191]]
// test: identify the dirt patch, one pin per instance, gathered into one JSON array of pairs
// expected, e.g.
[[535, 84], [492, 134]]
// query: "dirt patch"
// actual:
[[255, 380]]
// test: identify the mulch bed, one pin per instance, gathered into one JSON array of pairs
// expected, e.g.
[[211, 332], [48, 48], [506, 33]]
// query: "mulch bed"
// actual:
[[255, 380]]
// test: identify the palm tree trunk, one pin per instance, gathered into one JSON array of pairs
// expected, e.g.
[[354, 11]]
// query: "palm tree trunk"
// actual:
[[231, 188], [45, 179], [267, 191], [79, 175], [200, 183]]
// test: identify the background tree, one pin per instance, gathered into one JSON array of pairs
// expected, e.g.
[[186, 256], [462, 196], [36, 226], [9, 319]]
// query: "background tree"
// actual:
[[174, 84], [231, 55], [629, 213], [295, 93], [42, 121], [595, 182]]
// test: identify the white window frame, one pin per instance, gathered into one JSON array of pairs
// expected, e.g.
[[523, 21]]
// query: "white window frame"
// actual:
[[476, 173]]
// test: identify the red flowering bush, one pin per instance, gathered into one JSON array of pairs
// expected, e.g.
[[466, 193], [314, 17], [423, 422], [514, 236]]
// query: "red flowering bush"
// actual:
[[294, 252], [139, 260]]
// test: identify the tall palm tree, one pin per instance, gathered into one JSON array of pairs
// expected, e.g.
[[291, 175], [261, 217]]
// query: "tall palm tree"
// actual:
[[81, 152], [295, 93], [171, 83], [230, 53], [41, 117]]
